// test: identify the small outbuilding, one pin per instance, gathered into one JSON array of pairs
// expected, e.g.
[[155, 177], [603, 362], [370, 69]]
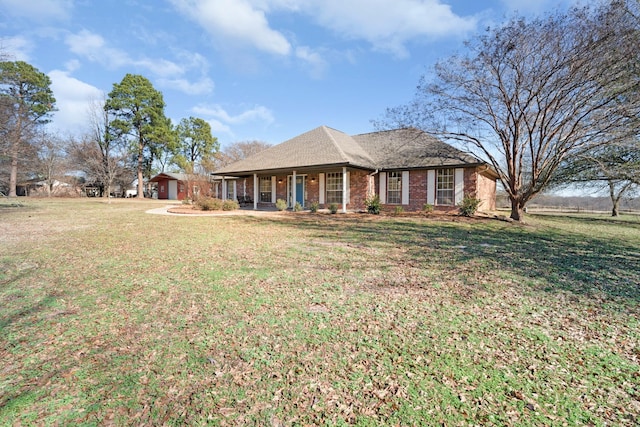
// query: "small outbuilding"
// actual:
[[180, 186]]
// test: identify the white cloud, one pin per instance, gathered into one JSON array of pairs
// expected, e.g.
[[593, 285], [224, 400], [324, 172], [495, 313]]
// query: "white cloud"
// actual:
[[389, 24], [16, 48], [93, 47], [313, 59], [72, 101], [201, 87], [169, 73], [218, 127], [239, 21], [257, 113], [386, 24], [38, 10]]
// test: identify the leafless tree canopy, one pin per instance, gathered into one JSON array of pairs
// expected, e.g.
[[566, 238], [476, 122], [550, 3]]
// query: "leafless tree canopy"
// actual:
[[240, 150], [529, 94]]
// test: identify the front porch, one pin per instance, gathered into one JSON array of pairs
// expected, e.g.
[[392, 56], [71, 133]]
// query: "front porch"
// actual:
[[331, 186]]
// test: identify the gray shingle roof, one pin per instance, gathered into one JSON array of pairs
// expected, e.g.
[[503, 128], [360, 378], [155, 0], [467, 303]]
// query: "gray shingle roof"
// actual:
[[411, 148], [324, 146]]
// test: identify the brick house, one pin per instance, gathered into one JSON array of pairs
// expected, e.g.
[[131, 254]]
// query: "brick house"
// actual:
[[405, 167]]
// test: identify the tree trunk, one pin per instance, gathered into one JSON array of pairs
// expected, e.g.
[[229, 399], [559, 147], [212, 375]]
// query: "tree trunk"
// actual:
[[13, 178], [615, 200], [614, 210], [140, 194], [517, 210]]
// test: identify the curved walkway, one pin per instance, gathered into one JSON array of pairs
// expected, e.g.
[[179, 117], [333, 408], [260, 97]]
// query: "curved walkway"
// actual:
[[249, 212]]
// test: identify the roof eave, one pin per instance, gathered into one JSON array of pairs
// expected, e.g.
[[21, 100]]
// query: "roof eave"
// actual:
[[309, 168]]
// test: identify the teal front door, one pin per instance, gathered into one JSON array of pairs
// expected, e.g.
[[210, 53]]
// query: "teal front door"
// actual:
[[299, 191]]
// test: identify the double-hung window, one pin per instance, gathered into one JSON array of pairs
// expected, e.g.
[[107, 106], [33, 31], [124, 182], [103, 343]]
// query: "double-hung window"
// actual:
[[334, 187], [231, 190], [445, 187], [265, 189], [394, 188]]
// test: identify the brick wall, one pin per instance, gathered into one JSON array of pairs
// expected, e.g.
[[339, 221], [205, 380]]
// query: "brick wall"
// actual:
[[486, 192], [417, 190], [471, 182], [359, 187]]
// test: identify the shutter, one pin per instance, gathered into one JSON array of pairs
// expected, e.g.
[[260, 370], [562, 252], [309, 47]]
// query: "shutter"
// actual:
[[321, 191], [383, 187], [459, 185], [431, 187], [273, 189], [405, 187]]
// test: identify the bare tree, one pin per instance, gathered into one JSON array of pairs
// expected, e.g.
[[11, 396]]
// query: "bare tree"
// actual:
[[238, 151], [613, 167], [51, 164], [531, 93], [99, 155]]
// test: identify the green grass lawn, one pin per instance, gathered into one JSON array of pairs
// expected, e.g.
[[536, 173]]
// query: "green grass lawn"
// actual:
[[110, 315]]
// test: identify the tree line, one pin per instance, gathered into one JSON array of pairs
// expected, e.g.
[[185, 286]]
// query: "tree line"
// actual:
[[129, 137], [549, 102]]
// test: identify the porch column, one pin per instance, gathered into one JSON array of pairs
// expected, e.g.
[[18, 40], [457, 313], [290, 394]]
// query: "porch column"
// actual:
[[293, 190], [224, 189], [344, 189], [255, 191]]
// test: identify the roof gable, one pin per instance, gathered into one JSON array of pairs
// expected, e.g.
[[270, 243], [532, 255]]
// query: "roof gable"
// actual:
[[170, 176]]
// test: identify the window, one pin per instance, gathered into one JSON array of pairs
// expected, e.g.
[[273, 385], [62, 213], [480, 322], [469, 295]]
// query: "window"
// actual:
[[265, 189], [231, 190], [334, 187], [394, 188], [445, 189]]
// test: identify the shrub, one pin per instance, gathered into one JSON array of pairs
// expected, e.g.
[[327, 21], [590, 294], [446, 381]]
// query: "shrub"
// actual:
[[399, 210], [333, 208], [372, 202], [469, 206], [314, 207], [209, 204], [186, 201], [427, 208], [230, 205], [281, 204], [297, 207]]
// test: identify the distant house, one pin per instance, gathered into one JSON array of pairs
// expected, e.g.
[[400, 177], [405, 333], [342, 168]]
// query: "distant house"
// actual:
[[180, 186], [40, 187], [404, 167]]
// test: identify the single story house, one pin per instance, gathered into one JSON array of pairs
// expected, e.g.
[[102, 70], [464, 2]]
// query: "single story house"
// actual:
[[405, 167], [179, 186]]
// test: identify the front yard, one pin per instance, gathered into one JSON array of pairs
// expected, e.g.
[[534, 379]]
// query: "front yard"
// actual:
[[109, 315]]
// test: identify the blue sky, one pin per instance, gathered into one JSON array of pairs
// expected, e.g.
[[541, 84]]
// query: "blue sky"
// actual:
[[254, 69]]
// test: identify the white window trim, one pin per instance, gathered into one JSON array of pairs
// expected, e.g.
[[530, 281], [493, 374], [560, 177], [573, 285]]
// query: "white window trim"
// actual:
[[405, 187], [273, 189], [431, 187], [458, 185], [321, 190]]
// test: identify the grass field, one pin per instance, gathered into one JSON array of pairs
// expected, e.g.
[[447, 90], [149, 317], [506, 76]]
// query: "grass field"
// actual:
[[112, 316]]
